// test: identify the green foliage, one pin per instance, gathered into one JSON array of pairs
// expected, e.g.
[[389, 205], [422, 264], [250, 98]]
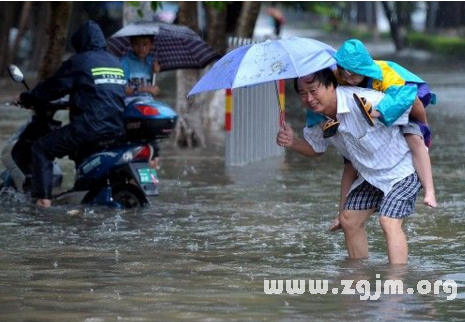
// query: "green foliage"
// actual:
[[219, 5], [154, 5], [439, 44], [323, 8]]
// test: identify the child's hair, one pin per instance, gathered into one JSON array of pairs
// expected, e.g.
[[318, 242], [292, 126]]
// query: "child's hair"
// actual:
[[324, 76], [132, 38]]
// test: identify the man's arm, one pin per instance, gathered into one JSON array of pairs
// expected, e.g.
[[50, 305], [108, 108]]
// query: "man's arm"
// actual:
[[50, 89], [286, 138], [348, 177]]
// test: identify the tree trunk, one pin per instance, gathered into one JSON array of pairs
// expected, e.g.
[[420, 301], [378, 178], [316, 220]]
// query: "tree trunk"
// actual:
[[374, 20], [431, 14], [396, 32], [56, 40], [7, 14], [189, 130], [248, 18], [216, 29], [362, 13], [233, 11], [404, 11], [449, 14], [39, 33], [25, 13]]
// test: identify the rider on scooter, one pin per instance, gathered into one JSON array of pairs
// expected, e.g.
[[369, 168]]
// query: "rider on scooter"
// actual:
[[95, 82]]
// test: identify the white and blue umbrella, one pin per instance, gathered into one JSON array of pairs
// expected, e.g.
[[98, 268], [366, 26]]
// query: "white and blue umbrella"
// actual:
[[269, 61]]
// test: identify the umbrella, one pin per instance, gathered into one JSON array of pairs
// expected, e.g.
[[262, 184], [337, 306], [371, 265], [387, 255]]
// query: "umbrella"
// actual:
[[175, 47], [265, 62]]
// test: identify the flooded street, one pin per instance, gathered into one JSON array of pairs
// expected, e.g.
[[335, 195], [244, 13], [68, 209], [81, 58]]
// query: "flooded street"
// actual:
[[202, 250]]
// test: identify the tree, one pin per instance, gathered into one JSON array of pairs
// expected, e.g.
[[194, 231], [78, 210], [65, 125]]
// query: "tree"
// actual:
[[399, 16], [217, 27], [39, 28], [398, 33], [7, 14], [248, 18], [431, 14], [25, 13], [56, 37], [188, 131], [194, 112], [450, 14]]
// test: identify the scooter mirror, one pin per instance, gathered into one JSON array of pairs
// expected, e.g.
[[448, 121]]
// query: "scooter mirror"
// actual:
[[15, 73]]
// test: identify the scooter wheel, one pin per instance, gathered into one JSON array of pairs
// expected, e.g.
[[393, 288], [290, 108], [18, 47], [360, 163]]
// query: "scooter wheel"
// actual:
[[129, 196]]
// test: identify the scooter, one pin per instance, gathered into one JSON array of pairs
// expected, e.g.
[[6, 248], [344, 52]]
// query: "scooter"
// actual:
[[113, 172]]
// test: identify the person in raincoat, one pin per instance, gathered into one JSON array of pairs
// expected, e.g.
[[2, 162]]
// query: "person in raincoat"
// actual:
[[403, 89], [95, 82]]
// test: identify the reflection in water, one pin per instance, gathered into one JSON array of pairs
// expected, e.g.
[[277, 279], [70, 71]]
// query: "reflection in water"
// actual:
[[203, 249]]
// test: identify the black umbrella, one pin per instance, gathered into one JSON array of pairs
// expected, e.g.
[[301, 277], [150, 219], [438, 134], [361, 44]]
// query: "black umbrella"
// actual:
[[175, 47]]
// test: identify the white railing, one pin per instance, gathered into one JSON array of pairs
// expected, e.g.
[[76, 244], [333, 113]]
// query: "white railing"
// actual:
[[253, 120]]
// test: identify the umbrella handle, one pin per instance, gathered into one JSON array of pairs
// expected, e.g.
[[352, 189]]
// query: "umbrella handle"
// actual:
[[282, 114], [154, 78]]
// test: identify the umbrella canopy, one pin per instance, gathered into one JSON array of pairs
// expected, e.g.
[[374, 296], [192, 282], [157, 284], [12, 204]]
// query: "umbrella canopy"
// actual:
[[268, 61], [175, 46]]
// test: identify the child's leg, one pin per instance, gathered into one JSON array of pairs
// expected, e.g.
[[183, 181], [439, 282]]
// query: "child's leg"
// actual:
[[422, 164]]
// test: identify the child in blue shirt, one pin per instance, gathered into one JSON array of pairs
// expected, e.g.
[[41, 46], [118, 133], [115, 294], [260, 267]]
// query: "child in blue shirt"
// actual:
[[139, 66]]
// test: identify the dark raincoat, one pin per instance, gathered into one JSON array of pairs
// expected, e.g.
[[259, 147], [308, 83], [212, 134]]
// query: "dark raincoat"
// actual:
[[93, 78]]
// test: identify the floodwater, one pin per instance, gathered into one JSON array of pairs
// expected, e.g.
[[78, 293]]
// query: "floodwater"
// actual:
[[202, 250]]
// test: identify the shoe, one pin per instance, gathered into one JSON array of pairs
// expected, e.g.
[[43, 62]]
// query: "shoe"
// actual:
[[330, 128], [365, 108]]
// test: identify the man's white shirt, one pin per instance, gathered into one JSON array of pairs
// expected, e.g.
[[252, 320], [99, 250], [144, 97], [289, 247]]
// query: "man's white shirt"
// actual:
[[380, 154]]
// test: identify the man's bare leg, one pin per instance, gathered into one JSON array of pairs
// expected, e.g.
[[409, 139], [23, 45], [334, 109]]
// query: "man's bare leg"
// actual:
[[353, 224], [396, 240]]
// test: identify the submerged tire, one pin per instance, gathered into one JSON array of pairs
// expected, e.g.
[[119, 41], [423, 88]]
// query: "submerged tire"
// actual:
[[129, 196]]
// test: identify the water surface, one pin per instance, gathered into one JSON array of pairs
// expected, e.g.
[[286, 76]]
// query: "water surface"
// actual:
[[202, 250]]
